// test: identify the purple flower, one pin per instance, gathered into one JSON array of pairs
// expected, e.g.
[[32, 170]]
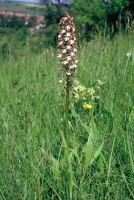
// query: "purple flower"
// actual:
[[67, 45]]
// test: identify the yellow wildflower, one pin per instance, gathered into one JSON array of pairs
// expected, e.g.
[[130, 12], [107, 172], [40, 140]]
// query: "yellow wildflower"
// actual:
[[77, 97], [90, 91], [81, 88], [87, 106]]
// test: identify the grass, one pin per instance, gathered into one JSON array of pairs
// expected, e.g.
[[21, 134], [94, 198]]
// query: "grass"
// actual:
[[101, 156]]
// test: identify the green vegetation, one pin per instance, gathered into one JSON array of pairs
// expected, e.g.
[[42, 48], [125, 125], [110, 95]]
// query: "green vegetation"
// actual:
[[95, 14], [22, 7], [14, 42], [90, 16], [37, 160], [32, 123]]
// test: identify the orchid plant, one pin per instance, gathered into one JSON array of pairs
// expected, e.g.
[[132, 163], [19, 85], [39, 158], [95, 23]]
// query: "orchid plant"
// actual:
[[67, 54]]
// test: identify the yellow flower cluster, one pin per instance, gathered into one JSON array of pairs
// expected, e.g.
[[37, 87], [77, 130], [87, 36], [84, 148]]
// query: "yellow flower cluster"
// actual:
[[83, 94]]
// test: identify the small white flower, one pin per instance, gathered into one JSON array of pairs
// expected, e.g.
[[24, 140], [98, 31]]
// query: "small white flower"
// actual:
[[64, 51], [68, 35], [71, 67], [59, 55], [63, 31], [72, 54], [66, 39], [75, 88], [76, 61], [65, 62], [60, 70], [68, 47], [75, 50], [129, 54], [68, 73], [74, 66], [71, 41], [59, 36], [68, 28], [68, 58], [60, 43], [60, 81], [73, 29]]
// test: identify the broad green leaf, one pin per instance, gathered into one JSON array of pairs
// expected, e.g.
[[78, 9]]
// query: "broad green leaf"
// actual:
[[88, 149], [97, 153]]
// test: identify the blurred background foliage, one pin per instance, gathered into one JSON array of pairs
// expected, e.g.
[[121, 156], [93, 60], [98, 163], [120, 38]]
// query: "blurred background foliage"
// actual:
[[91, 17]]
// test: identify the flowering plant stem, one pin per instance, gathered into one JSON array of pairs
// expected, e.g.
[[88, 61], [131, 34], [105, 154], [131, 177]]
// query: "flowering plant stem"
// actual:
[[67, 111], [67, 54], [68, 177]]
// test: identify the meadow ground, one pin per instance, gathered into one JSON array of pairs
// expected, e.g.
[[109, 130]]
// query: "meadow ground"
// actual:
[[101, 139]]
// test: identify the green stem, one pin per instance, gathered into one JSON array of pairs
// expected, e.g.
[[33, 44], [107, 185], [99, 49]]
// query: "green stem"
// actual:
[[67, 111], [67, 139]]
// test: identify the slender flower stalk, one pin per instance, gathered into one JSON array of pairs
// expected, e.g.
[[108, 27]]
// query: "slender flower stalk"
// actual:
[[67, 54]]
